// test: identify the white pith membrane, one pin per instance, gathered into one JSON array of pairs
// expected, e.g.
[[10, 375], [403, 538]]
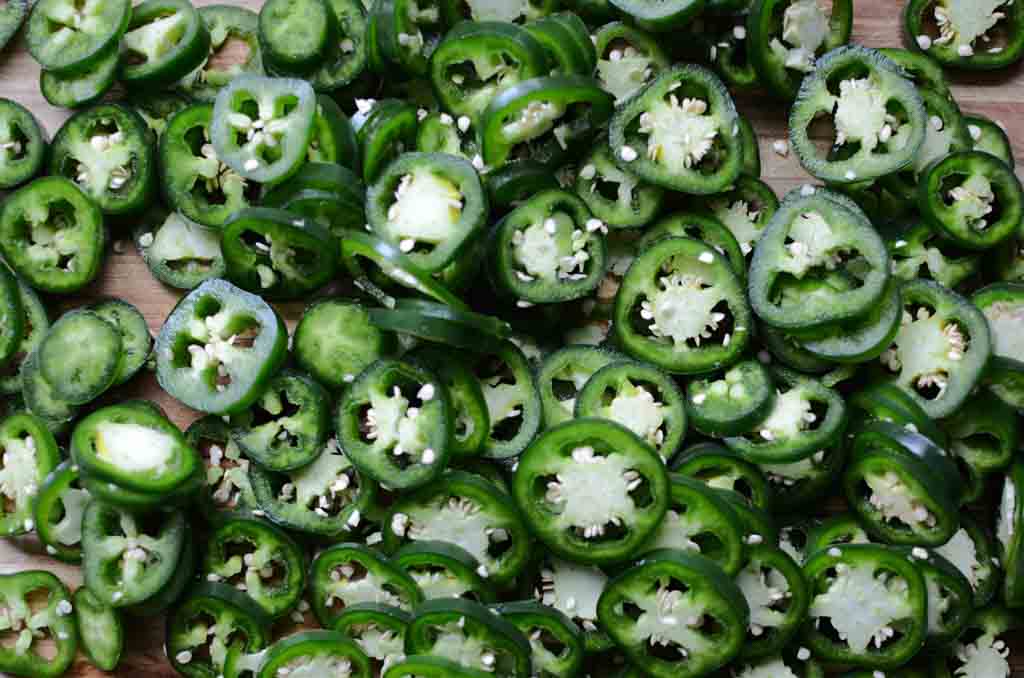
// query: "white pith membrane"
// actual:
[[217, 177], [215, 347], [505, 398], [731, 386], [543, 660], [741, 220], [805, 26], [592, 492], [973, 201], [394, 425], [938, 603], [791, 415], [551, 249], [455, 643], [679, 133], [250, 571], [789, 545], [576, 375], [182, 245], [962, 552], [327, 487], [133, 551], [638, 409], [790, 474], [862, 605], [227, 474], [261, 136], [53, 238], [767, 593], [438, 582], [624, 71], [426, 209], [670, 617], [68, 530], [149, 42], [895, 501], [457, 520], [677, 531], [860, 116], [25, 619], [351, 583], [18, 475], [1006, 326], [12, 142], [962, 23], [1005, 521], [500, 10], [537, 118], [925, 350], [986, 657], [280, 430], [610, 174], [681, 312], [773, 668], [103, 161], [938, 142], [133, 447], [316, 666], [814, 245], [381, 644], [573, 589]]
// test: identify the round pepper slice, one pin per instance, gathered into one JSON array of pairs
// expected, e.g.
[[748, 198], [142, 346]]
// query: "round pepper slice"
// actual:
[[616, 198], [703, 227], [22, 143], [335, 340], [566, 41], [681, 307], [294, 35], [218, 348], [20, 595], [68, 38], [470, 418], [734, 402], [884, 634], [81, 356], [178, 252], [225, 24], [556, 643], [861, 339], [746, 210], [628, 59], [384, 130], [136, 342], [35, 323], [675, 615], [959, 36], [562, 376], [972, 551], [858, 87], [470, 634], [972, 198], [885, 401], [513, 400], [904, 489], [984, 640], [346, 57], [396, 424], [950, 598], [165, 41], [681, 132], [718, 467], [376, 628], [591, 491], [778, 597]]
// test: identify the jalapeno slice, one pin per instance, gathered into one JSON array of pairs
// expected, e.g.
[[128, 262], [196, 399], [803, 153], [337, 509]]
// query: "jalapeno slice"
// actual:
[[562, 376], [746, 210], [556, 643], [882, 635], [731, 403], [971, 550], [100, 630], [261, 127], [990, 137], [429, 205], [615, 197], [68, 38], [566, 41], [443, 570], [35, 323], [513, 400], [984, 435], [980, 648], [224, 23], [720, 468], [37, 606], [326, 498], [640, 397], [57, 513], [80, 357], [675, 614], [904, 489], [864, 338], [294, 35], [179, 252], [212, 622], [465, 83], [136, 342], [469, 634], [30, 454], [376, 628], [546, 118], [165, 41], [918, 251], [778, 597], [335, 341], [22, 143], [557, 474], [960, 35], [941, 349], [682, 308], [219, 347], [468, 511], [11, 18], [40, 399]]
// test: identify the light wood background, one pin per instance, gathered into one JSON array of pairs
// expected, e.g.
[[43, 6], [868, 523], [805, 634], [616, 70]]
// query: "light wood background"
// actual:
[[999, 96]]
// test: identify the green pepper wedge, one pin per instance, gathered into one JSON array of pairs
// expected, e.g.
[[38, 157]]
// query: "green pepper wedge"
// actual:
[[19, 596]]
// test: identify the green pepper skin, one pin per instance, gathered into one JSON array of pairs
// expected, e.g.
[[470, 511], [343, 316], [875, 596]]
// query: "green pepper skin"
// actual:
[[100, 630], [52, 620], [720, 467]]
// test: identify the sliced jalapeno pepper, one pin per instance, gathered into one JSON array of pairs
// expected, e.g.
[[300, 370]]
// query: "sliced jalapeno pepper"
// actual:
[[918, 251], [972, 551], [785, 348], [40, 399], [979, 650], [990, 137], [30, 453], [81, 356], [178, 252], [923, 71], [735, 402], [388, 129], [34, 326], [324, 191], [37, 605], [218, 348], [470, 418], [335, 341], [950, 597], [11, 18], [422, 27], [224, 23], [52, 235], [261, 127], [791, 284], [129, 557], [870, 140], [165, 41], [628, 58], [443, 570], [903, 488], [562, 376], [58, 513], [67, 38], [680, 132], [941, 350], [136, 342], [778, 597], [326, 498], [675, 614], [573, 590], [378, 629], [556, 643], [213, 621], [864, 338], [800, 483], [591, 491], [616, 198], [566, 40], [346, 57], [885, 401], [720, 468], [984, 436], [294, 35], [100, 630], [469, 512], [469, 634], [227, 490], [746, 210], [960, 35], [868, 606], [513, 400], [22, 142]]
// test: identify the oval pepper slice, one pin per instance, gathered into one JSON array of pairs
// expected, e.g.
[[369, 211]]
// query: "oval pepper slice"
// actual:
[[165, 41], [68, 39], [24, 619], [178, 252], [224, 23], [22, 143], [591, 490]]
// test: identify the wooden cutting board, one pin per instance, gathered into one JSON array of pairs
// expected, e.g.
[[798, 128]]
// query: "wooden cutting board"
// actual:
[[1000, 96]]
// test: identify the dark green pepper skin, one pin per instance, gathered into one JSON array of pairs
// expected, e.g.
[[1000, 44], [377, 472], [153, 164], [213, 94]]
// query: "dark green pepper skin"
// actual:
[[658, 16], [459, 564], [50, 504], [1009, 524], [52, 619], [913, 627], [954, 587], [389, 126], [881, 448], [884, 401], [705, 583], [836, 530], [100, 629], [24, 141], [984, 434], [720, 467], [191, 44]]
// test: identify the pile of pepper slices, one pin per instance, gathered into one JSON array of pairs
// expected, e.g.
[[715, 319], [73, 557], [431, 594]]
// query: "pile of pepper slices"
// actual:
[[572, 386]]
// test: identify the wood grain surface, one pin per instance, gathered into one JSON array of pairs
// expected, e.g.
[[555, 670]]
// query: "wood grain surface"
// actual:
[[999, 96]]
